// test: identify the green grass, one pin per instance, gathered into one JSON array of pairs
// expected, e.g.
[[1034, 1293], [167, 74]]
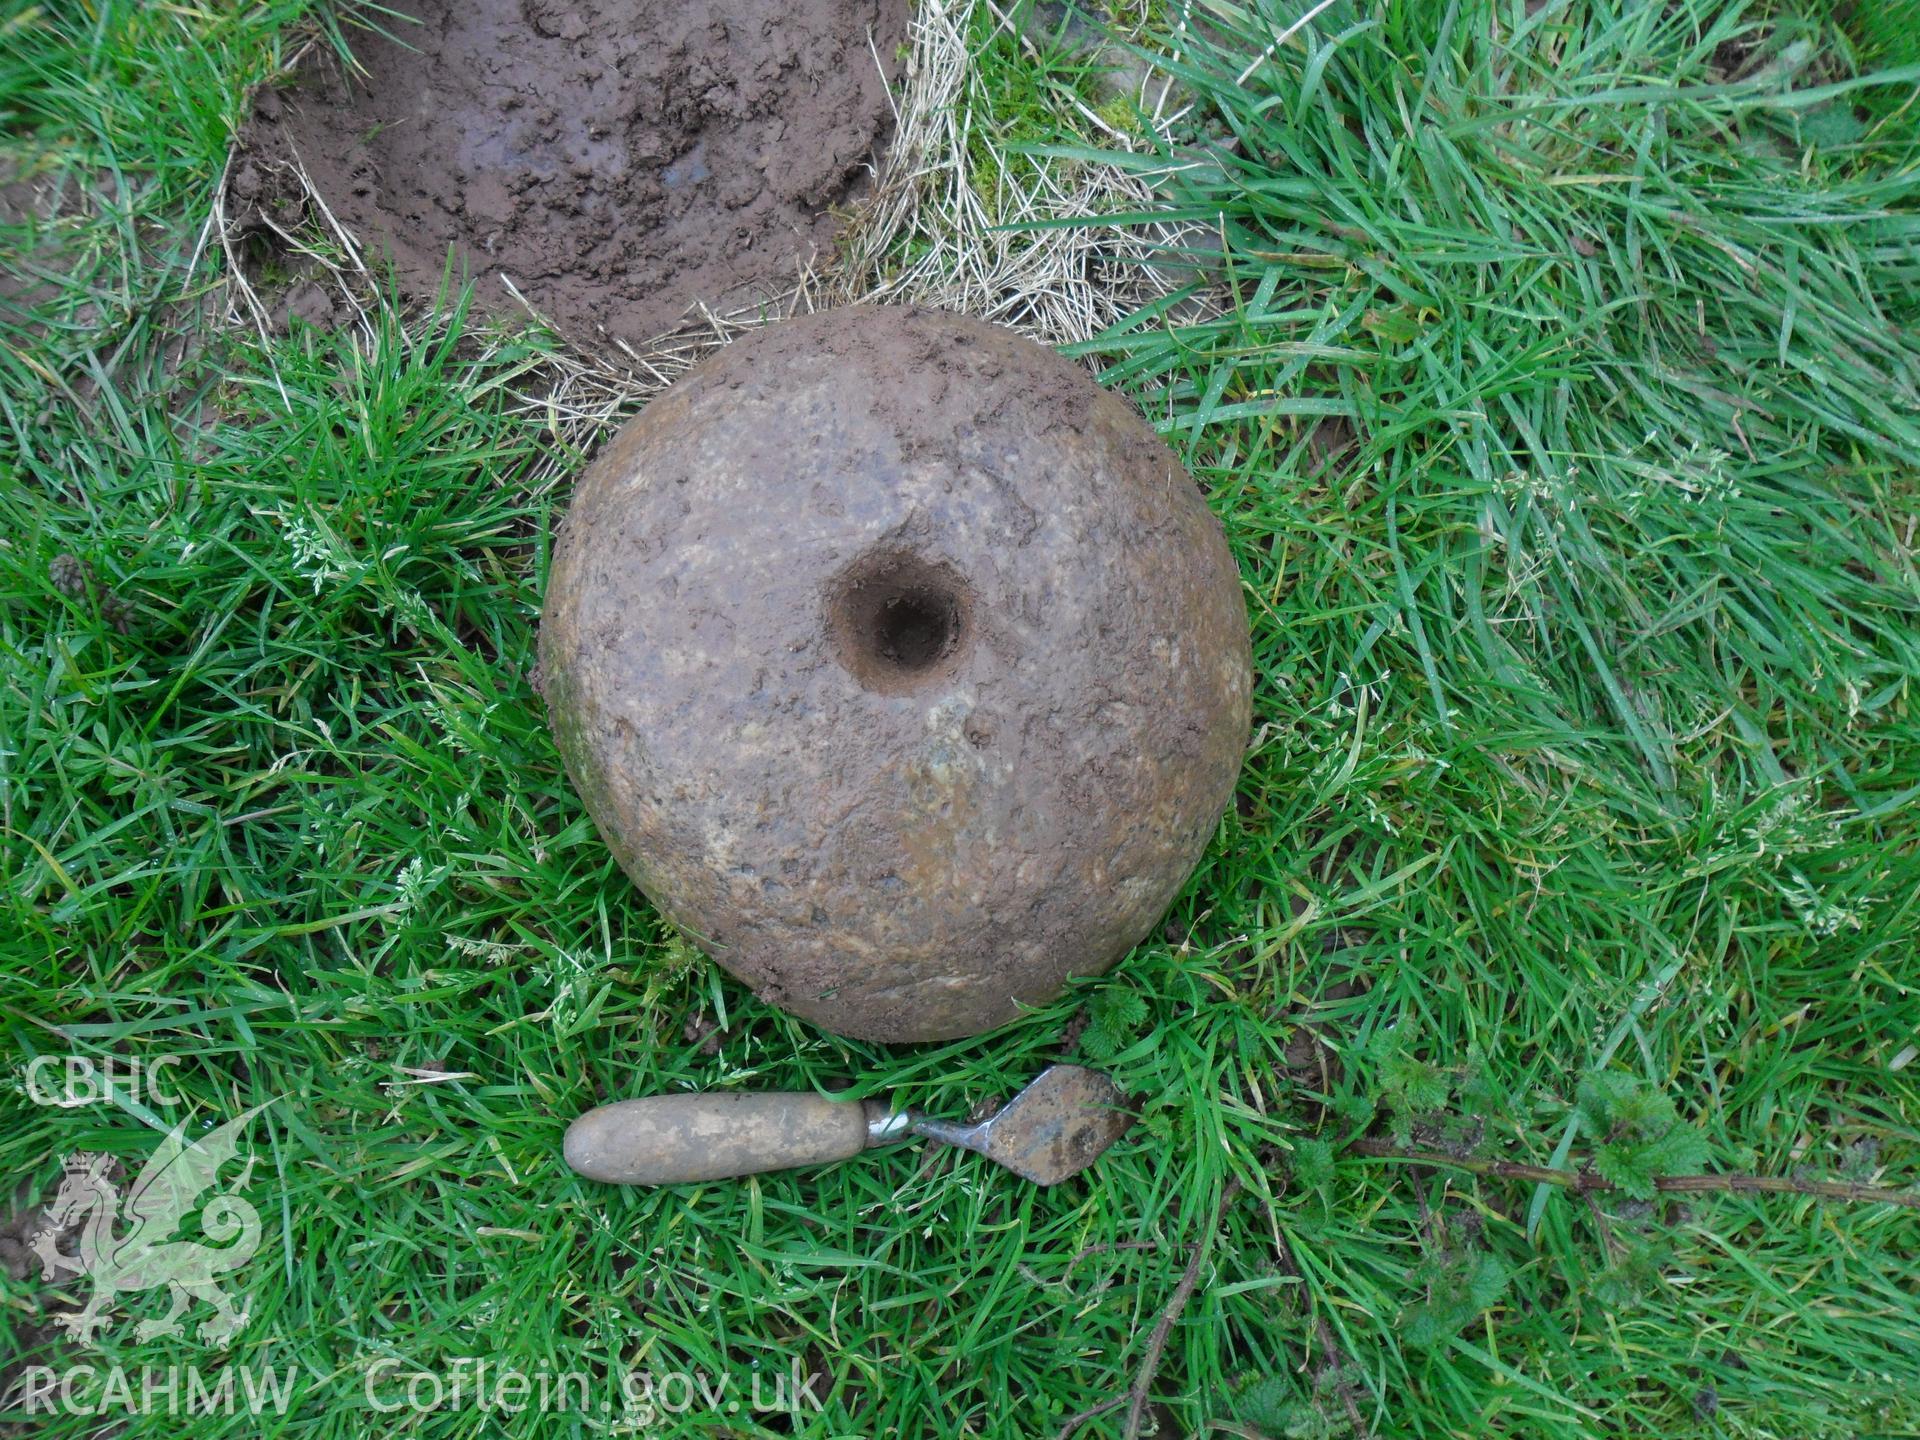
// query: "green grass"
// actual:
[[1566, 424], [1021, 94]]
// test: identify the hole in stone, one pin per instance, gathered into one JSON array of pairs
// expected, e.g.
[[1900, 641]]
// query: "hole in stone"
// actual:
[[913, 630], [898, 620]]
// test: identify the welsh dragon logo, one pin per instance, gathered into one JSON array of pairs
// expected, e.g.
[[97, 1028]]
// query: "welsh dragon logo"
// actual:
[[145, 1255]]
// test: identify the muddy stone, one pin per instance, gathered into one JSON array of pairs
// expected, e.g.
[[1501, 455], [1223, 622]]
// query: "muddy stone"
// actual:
[[619, 160], [902, 666]]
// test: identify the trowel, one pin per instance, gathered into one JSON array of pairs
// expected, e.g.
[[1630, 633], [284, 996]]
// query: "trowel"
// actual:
[[1054, 1128]]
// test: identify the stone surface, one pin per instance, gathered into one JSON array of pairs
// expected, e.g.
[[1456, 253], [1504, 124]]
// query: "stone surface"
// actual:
[[900, 665]]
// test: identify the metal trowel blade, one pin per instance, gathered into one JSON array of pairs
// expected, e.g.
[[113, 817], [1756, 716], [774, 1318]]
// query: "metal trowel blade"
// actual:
[[1056, 1127]]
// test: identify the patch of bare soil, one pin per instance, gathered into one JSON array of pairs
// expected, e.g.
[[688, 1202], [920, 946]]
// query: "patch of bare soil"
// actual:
[[37, 263], [619, 161]]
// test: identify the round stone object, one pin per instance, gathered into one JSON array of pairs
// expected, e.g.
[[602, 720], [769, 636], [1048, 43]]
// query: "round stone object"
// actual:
[[903, 667]]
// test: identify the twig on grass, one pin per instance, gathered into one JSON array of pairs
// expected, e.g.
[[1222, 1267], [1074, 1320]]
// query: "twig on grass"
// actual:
[[1585, 1182], [1135, 1395], [1183, 1292], [1092, 1412], [1333, 1360]]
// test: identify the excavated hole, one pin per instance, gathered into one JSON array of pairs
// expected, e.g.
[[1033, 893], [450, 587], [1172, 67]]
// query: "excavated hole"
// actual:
[[615, 158], [899, 621]]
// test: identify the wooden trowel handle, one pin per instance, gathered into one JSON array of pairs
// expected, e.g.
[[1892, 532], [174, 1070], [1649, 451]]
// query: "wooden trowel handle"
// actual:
[[668, 1139]]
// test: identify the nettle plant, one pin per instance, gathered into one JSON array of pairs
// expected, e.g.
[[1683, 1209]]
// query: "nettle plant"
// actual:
[[1449, 1116], [1638, 1132]]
